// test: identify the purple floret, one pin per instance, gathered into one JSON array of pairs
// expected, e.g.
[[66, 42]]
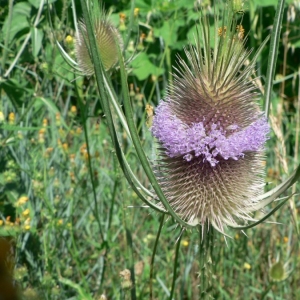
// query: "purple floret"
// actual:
[[197, 140]]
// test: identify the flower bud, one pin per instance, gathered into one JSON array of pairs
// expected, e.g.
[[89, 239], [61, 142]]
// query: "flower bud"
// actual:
[[279, 271]]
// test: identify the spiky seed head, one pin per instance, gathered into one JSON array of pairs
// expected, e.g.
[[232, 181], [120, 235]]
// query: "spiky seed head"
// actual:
[[279, 271], [211, 130], [108, 40]]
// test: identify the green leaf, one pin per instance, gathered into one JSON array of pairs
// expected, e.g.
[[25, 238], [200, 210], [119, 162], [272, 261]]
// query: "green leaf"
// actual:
[[18, 24], [297, 44], [42, 102], [22, 8], [37, 38], [17, 128], [77, 287], [15, 90], [169, 31], [20, 17], [266, 2], [143, 67], [143, 5], [36, 3], [12, 196], [9, 231]]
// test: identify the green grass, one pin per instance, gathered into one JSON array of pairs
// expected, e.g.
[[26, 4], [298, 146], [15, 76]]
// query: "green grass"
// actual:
[[82, 224]]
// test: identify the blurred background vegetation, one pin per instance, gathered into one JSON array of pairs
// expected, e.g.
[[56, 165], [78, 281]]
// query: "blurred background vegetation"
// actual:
[[73, 223]]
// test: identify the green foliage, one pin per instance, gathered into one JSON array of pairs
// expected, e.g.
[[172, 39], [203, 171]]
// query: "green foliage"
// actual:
[[63, 198], [143, 67]]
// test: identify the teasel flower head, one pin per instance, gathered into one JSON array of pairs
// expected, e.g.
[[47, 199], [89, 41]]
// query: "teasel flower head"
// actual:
[[211, 131], [108, 40]]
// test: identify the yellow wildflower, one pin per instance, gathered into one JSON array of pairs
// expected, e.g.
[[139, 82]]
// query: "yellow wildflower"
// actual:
[[136, 11], [185, 243], [22, 200], [222, 31], [122, 16], [11, 118], [2, 118], [65, 146], [72, 176], [83, 149], [57, 118], [241, 31], [27, 227], [73, 109], [26, 212], [48, 151], [78, 130], [72, 158], [69, 39]]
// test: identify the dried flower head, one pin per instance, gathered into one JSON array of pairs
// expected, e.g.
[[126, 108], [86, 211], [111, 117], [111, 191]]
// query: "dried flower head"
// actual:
[[126, 282], [108, 40], [211, 130]]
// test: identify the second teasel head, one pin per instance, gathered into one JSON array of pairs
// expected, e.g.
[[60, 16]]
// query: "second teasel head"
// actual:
[[108, 40]]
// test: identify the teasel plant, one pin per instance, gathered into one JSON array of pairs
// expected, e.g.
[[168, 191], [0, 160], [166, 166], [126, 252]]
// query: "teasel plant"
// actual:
[[209, 130]]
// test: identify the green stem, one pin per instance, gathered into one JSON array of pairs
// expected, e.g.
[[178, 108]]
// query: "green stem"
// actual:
[[75, 255], [84, 120], [111, 210], [130, 27], [274, 44], [131, 262], [203, 255], [139, 149], [101, 76], [107, 227], [154, 83], [74, 16], [153, 256], [175, 266], [296, 155]]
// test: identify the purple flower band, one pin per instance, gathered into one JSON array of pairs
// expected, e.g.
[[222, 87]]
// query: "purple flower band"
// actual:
[[207, 141]]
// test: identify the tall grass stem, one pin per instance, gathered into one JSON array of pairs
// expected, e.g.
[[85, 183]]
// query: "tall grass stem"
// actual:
[[153, 257], [274, 44], [175, 267]]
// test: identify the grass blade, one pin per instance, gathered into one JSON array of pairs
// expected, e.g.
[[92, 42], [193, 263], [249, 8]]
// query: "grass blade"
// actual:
[[275, 36]]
